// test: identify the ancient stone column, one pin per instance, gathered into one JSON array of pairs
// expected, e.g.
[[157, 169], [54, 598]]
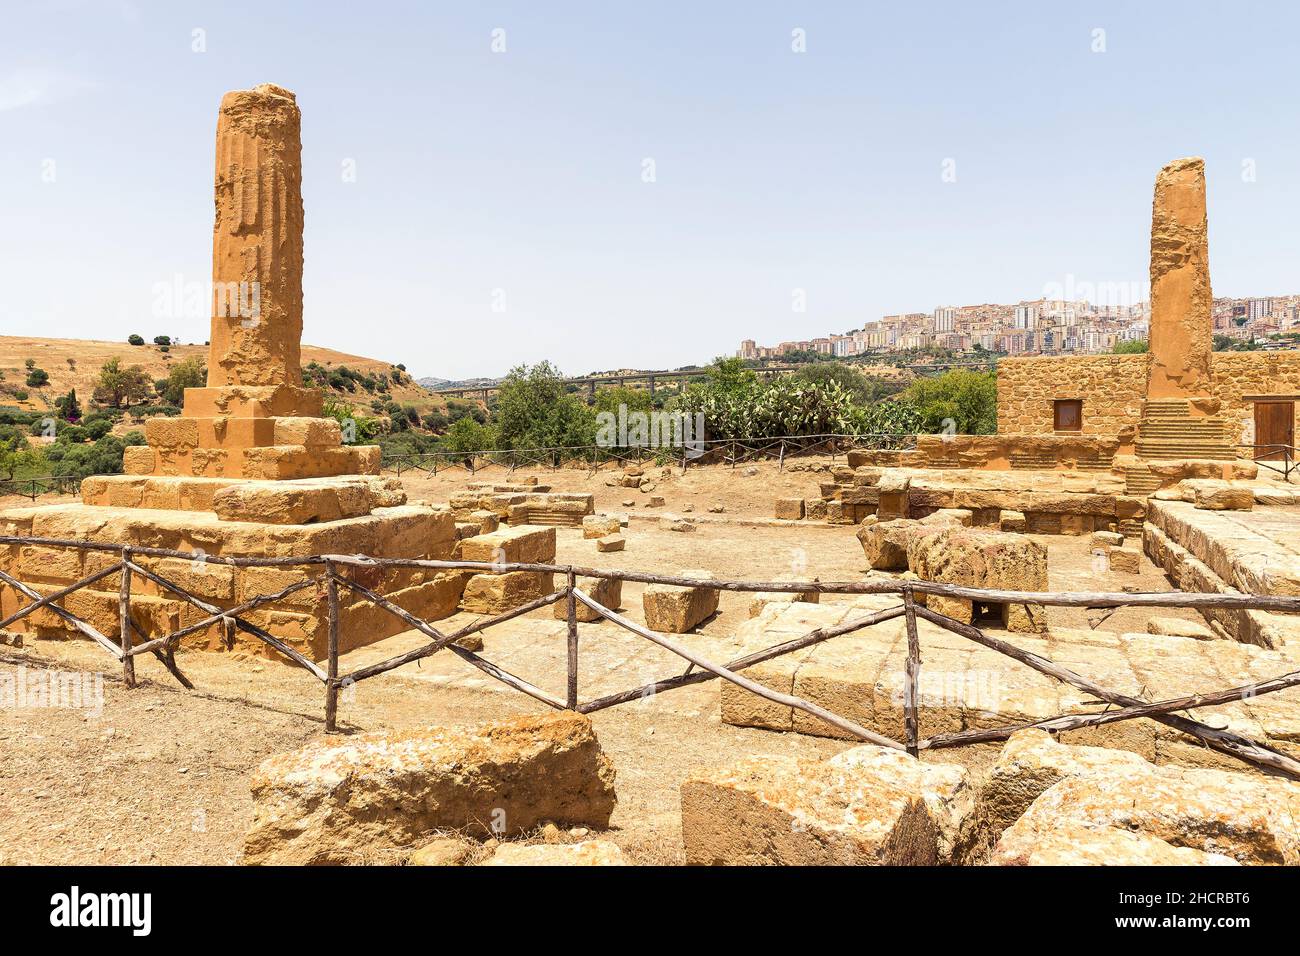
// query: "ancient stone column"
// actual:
[[257, 241], [1180, 336]]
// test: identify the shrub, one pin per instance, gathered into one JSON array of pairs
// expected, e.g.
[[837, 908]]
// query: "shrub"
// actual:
[[965, 402], [191, 373], [37, 378], [466, 435], [97, 428], [135, 339], [534, 411], [1130, 346]]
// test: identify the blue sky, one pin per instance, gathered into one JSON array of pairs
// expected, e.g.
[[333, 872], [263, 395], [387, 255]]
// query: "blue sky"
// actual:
[[522, 171]]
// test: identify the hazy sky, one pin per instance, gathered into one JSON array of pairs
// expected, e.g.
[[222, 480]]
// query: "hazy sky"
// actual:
[[517, 179]]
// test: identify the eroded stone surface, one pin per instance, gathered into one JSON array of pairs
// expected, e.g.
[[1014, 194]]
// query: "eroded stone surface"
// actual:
[[1248, 818], [675, 610], [335, 801], [1180, 283], [867, 806]]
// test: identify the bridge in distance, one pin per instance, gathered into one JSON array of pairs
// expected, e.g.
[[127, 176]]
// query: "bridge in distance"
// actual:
[[591, 382]]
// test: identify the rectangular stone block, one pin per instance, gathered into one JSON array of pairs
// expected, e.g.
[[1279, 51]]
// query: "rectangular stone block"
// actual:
[[789, 508], [675, 610], [525, 544], [598, 526], [497, 593], [606, 591], [176, 433]]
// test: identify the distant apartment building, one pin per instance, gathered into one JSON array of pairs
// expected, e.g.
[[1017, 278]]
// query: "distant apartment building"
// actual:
[[1043, 326], [1257, 309]]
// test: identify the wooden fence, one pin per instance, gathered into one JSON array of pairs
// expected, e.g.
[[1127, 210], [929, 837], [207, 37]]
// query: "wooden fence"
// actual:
[[130, 644]]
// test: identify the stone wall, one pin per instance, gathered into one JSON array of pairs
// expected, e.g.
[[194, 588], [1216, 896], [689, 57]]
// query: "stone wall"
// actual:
[[1251, 373], [1113, 387]]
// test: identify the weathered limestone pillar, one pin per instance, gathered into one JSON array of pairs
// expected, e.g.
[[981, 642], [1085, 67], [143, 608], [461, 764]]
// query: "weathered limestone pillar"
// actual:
[[1180, 336], [257, 241]]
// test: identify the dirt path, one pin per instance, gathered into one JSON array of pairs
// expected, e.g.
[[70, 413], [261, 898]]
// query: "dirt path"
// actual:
[[160, 775]]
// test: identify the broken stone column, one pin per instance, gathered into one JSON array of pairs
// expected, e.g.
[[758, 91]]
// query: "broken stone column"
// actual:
[[257, 241], [1180, 333]]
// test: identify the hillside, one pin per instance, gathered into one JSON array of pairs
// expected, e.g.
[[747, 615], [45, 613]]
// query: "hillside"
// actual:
[[75, 363]]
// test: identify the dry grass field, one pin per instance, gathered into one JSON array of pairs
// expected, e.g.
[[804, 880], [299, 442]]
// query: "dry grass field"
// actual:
[[75, 363]]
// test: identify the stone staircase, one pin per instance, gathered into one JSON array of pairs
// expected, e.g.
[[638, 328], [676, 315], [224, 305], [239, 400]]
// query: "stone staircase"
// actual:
[[1169, 430], [1048, 461], [1139, 481]]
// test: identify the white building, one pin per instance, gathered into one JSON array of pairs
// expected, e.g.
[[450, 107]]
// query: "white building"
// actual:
[[1026, 316]]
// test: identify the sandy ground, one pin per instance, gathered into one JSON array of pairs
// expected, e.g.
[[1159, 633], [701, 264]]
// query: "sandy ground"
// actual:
[[160, 775]]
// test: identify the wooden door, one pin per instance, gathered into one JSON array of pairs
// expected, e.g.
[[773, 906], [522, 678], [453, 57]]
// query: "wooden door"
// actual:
[[1274, 425]]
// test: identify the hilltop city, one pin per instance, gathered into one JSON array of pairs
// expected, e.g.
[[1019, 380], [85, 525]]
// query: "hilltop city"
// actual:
[[1043, 327]]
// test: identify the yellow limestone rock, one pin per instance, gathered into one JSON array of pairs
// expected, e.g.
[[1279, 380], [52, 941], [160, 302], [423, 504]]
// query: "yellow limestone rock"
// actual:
[[1248, 818], [1074, 845], [1030, 762], [336, 800], [1180, 284], [866, 806], [605, 591], [675, 609]]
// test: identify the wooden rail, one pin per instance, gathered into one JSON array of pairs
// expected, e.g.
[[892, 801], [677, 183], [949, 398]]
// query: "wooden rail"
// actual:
[[334, 575]]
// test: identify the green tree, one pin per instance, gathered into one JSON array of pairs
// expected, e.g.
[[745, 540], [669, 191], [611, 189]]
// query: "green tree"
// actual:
[[466, 436], [1130, 346], [191, 373], [731, 374], [120, 387], [609, 399], [134, 339], [533, 410], [37, 378], [69, 407], [959, 402]]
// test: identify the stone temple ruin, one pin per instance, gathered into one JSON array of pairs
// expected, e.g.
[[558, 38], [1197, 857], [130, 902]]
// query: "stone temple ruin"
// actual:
[[1121, 448], [250, 468], [1105, 444]]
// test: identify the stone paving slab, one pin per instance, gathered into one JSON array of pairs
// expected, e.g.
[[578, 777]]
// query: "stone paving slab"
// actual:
[[964, 685]]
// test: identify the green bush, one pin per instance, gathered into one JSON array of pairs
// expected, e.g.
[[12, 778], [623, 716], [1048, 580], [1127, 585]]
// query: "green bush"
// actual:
[[466, 435], [959, 402], [534, 411], [135, 339], [37, 378]]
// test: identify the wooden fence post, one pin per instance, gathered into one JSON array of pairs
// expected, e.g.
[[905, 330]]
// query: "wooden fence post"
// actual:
[[572, 695], [124, 612], [911, 723], [332, 665]]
